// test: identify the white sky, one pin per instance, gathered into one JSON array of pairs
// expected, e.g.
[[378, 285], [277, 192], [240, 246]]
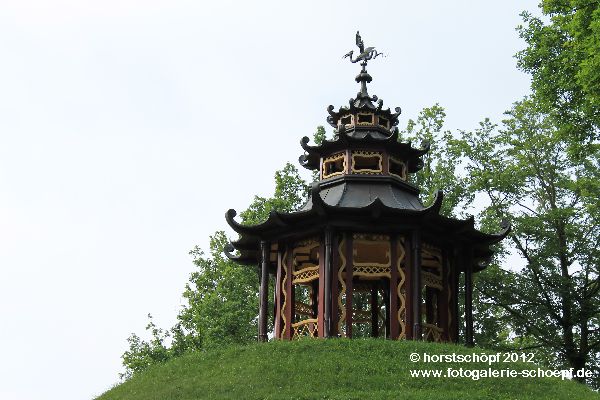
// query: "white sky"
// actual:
[[128, 128]]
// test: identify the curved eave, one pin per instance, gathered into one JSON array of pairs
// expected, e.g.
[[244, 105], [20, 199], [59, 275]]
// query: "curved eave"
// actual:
[[274, 220], [316, 207], [358, 105], [245, 257], [316, 210]]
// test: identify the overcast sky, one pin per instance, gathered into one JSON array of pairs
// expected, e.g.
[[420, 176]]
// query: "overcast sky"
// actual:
[[128, 128]]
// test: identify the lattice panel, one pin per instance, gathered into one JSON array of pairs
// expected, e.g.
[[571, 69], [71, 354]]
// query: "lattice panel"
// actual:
[[306, 328], [431, 257], [306, 275], [431, 280], [432, 333], [432, 267], [303, 309], [372, 271], [370, 237]]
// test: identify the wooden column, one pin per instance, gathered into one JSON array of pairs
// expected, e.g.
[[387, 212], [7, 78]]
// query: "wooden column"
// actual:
[[408, 315], [321, 294], [416, 283], [469, 297], [278, 303], [335, 312], [429, 294], [443, 305], [327, 282], [393, 302], [265, 248], [386, 300], [349, 275], [455, 274], [315, 298], [289, 296], [374, 311]]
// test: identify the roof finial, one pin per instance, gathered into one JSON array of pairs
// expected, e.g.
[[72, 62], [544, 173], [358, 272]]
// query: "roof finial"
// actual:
[[365, 55]]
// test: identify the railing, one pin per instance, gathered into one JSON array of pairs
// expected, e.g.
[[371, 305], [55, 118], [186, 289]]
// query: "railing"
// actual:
[[432, 333], [307, 327]]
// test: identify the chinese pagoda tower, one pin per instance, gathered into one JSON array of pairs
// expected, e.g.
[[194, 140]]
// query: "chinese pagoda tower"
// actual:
[[363, 255]]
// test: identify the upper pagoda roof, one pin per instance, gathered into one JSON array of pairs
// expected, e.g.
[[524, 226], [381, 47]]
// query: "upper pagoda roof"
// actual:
[[365, 137], [363, 103]]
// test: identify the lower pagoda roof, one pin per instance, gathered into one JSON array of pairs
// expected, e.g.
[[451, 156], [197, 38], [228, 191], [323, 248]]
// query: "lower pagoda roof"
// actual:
[[359, 191], [361, 204]]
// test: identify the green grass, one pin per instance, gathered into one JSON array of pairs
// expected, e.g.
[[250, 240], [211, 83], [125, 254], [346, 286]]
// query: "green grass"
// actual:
[[333, 369]]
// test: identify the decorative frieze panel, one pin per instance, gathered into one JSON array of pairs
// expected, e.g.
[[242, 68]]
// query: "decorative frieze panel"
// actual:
[[334, 165], [367, 162]]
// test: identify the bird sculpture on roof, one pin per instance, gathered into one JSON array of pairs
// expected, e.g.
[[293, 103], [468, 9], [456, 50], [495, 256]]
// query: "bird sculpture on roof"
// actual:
[[365, 54]]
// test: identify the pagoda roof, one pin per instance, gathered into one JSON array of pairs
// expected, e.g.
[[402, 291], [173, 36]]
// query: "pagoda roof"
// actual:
[[384, 204], [363, 137], [363, 103]]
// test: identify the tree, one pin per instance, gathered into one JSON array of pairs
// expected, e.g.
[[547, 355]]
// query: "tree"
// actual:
[[439, 164], [564, 63], [221, 297], [552, 300], [318, 138]]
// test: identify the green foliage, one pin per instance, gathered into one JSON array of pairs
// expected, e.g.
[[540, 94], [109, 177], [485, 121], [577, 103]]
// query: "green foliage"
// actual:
[[290, 192], [333, 369], [550, 301], [564, 63], [318, 138], [440, 165], [142, 354], [319, 135], [221, 297]]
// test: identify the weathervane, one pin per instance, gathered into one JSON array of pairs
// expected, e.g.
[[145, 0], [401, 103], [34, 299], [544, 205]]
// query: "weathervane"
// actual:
[[365, 54]]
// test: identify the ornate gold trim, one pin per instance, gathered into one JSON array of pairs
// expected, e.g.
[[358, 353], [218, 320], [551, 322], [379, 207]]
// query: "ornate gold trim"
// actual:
[[401, 289], [284, 293], [346, 116], [432, 331], [365, 123], [365, 154], [342, 307], [333, 158], [370, 237], [431, 257], [305, 275], [303, 309], [303, 328], [372, 270], [397, 161], [387, 122], [431, 280]]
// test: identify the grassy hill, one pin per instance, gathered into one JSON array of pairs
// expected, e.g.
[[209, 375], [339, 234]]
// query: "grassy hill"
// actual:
[[333, 369]]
